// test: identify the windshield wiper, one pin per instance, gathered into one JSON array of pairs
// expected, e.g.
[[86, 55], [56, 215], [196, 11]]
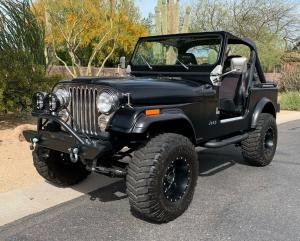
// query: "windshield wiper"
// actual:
[[146, 62], [182, 64]]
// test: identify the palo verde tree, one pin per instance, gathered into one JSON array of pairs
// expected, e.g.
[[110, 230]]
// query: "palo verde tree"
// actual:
[[87, 33]]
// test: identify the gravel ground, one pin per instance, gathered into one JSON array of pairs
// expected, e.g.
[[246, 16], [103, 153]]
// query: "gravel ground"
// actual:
[[233, 201], [16, 168]]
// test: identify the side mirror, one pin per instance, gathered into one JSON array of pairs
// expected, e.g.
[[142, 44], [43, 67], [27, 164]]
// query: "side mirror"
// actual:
[[215, 75], [123, 62], [128, 69], [239, 64]]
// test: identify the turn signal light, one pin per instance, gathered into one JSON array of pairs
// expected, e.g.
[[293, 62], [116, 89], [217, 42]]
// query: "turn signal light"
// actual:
[[152, 112]]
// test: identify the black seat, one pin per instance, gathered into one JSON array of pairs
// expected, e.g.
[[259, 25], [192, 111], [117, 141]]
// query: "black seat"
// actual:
[[232, 92], [187, 59]]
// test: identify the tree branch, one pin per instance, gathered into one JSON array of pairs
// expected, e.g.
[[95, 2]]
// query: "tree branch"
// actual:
[[107, 57]]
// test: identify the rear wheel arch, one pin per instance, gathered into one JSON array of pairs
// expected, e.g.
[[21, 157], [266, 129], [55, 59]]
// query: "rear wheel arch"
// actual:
[[263, 106], [269, 109]]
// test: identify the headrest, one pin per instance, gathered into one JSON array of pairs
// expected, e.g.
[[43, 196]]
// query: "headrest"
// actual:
[[239, 64]]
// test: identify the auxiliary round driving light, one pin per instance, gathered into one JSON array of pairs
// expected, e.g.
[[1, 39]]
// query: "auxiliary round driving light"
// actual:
[[38, 100], [53, 102]]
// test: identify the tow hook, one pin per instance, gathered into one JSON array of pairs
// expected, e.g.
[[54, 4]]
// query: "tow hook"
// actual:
[[34, 141], [73, 154]]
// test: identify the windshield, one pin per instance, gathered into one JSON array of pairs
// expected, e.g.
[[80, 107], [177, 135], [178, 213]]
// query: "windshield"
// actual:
[[183, 51]]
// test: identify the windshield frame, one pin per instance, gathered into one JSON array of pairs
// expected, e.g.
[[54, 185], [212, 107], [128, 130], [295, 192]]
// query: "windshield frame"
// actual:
[[177, 68]]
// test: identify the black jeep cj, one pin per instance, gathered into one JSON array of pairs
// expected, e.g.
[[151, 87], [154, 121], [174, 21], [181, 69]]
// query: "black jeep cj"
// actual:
[[182, 91]]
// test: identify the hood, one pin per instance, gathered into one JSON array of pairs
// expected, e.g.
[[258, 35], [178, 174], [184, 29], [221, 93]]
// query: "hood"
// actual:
[[151, 91]]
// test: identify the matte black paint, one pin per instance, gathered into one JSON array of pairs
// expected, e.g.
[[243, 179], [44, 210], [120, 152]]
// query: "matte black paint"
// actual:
[[183, 96], [61, 141], [154, 90], [259, 109], [225, 142]]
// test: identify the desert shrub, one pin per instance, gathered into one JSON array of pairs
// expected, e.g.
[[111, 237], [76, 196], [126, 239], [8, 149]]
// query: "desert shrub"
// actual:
[[22, 61], [290, 100], [20, 77], [290, 79]]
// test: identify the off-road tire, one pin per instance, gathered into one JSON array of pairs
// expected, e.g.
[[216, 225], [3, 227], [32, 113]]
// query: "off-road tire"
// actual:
[[56, 167], [254, 148], [146, 173]]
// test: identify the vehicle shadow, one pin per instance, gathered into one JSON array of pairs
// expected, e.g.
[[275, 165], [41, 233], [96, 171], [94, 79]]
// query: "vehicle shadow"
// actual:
[[211, 162], [112, 192]]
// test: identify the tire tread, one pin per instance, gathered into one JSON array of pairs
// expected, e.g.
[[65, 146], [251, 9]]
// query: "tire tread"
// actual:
[[141, 175]]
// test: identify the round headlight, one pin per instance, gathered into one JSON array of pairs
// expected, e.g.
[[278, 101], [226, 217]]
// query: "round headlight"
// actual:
[[38, 100], [63, 96], [107, 102]]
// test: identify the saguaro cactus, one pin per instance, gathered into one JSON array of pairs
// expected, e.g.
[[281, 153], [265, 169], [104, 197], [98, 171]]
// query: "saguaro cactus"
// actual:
[[167, 22], [167, 17]]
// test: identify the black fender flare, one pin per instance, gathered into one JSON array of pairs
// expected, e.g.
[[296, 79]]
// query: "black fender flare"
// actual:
[[144, 122], [265, 105]]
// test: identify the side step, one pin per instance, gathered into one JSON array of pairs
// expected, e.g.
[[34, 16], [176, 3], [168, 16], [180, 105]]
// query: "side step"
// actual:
[[225, 142]]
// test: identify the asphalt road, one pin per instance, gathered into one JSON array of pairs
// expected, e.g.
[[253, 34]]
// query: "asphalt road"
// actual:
[[233, 201]]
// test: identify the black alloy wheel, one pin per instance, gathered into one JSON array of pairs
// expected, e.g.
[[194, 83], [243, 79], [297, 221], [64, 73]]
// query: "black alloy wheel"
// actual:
[[269, 141], [176, 179]]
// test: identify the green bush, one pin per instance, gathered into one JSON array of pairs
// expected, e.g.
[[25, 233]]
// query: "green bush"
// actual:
[[22, 61], [290, 100], [19, 79]]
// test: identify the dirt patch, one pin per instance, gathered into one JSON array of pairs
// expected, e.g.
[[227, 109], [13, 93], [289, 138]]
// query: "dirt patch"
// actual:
[[16, 167], [11, 121]]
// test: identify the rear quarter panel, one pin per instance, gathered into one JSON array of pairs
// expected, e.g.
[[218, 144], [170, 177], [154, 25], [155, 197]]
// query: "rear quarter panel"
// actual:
[[256, 94]]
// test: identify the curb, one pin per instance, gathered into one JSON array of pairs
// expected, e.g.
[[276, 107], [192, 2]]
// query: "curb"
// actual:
[[22, 202], [287, 116]]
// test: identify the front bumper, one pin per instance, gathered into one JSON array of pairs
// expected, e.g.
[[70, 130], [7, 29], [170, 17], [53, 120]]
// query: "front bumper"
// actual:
[[66, 141]]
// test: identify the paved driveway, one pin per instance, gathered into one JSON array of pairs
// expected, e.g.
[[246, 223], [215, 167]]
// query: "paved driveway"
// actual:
[[233, 201]]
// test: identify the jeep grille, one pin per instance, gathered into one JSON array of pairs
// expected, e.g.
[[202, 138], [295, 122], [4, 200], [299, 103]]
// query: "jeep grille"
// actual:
[[83, 109]]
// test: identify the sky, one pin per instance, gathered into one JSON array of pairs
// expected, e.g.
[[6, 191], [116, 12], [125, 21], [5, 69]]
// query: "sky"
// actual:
[[147, 6]]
